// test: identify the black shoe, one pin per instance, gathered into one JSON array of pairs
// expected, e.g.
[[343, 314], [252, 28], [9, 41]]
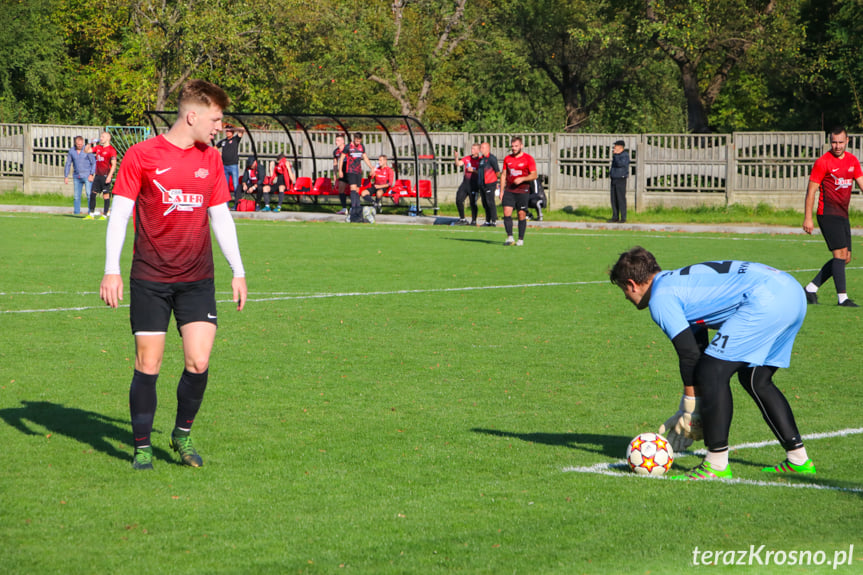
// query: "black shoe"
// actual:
[[811, 297], [849, 303], [472, 223]]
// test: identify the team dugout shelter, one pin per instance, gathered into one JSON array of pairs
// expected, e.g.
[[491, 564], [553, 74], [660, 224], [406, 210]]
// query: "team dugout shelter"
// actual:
[[308, 141]]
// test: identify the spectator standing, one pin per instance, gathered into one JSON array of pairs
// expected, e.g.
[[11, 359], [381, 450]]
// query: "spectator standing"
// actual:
[[619, 173], [488, 170], [106, 165], [82, 166], [230, 146], [339, 178], [519, 170], [834, 174], [469, 186], [175, 184]]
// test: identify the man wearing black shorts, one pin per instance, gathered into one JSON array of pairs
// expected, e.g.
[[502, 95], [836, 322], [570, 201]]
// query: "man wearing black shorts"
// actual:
[[834, 175], [488, 172], [519, 170], [351, 168], [176, 185]]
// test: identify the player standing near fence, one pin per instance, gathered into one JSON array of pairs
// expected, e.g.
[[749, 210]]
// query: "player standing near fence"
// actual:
[[106, 165], [834, 174], [519, 170], [176, 185]]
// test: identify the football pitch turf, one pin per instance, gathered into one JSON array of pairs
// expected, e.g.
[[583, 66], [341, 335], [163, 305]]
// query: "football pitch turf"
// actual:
[[408, 399]]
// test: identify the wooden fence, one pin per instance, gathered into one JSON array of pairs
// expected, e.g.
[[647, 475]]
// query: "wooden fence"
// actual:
[[667, 169]]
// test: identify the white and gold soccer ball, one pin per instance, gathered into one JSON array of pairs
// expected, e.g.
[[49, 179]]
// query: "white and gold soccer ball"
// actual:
[[649, 454]]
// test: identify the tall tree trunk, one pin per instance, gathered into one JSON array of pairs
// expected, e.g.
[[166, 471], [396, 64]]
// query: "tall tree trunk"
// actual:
[[696, 111]]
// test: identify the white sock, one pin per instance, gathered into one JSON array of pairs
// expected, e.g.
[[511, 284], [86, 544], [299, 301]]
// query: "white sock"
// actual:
[[811, 287], [842, 297], [797, 456], [718, 460]]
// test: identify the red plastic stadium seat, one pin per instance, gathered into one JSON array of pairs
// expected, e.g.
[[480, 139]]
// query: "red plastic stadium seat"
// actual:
[[406, 187], [323, 187], [302, 186], [425, 188]]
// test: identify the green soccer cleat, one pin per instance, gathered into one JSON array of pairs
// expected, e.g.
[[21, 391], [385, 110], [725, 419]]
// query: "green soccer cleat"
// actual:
[[704, 471], [143, 458], [181, 442], [788, 467]]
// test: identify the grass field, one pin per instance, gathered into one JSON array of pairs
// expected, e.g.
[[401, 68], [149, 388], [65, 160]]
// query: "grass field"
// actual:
[[406, 400]]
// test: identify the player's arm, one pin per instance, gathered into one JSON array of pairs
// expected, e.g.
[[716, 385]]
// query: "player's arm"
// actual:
[[341, 166], [809, 205], [113, 168], [458, 161], [368, 163], [685, 425], [111, 289], [226, 235]]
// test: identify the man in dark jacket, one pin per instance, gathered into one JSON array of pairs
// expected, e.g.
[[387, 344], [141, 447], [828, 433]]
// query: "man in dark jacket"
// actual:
[[619, 173], [253, 180]]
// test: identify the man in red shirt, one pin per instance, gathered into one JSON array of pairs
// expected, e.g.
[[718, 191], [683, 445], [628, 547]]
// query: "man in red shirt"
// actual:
[[469, 186], [281, 178], [175, 183], [834, 174], [519, 169], [340, 181], [106, 165], [383, 177]]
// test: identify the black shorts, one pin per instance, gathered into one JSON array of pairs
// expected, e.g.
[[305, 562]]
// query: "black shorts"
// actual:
[[151, 304], [280, 181], [354, 179], [517, 201], [836, 231], [100, 185]]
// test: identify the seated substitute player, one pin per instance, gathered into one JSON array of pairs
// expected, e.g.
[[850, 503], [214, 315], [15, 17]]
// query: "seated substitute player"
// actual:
[[382, 179], [519, 169], [757, 312], [176, 185], [281, 177], [253, 180]]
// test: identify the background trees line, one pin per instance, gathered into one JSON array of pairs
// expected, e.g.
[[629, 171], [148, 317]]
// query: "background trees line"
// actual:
[[472, 65]]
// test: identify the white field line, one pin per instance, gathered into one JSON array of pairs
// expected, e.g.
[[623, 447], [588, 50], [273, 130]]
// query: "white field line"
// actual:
[[342, 294], [614, 469]]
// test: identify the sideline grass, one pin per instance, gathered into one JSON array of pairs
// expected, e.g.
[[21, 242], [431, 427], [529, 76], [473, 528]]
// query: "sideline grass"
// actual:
[[424, 429]]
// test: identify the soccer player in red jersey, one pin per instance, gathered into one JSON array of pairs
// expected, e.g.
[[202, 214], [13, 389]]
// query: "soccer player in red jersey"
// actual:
[[519, 169], [383, 177], [834, 174], [351, 168], [281, 177], [106, 165], [469, 186], [176, 186], [339, 180]]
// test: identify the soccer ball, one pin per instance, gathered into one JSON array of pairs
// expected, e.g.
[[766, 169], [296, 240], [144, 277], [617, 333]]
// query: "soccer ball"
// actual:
[[649, 454]]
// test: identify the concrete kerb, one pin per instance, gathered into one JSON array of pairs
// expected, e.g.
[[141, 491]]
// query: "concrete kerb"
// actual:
[[446, 221]]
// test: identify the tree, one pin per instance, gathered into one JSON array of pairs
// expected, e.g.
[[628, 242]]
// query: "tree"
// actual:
[[707, 39], [584, 47]]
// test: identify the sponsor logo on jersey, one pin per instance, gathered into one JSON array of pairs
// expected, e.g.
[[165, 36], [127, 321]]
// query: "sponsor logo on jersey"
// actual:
[[202, 173], [179, 200]]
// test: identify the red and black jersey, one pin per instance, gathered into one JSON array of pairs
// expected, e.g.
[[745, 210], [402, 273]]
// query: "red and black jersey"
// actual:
[[518, 167], [470, 165], [172, 189], [281, 168], [354, 158], [103, 158], [337, 153], [836, 177]]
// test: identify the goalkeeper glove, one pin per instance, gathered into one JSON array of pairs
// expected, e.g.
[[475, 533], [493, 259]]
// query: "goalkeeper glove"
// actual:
[[683, 427]]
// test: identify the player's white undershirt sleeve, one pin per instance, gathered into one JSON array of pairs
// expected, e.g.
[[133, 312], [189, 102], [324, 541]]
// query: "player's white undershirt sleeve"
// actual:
[[121, 211], [226, 234]]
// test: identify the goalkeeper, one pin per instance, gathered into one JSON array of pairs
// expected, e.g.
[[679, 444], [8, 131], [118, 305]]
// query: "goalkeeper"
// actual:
[[757, 312]]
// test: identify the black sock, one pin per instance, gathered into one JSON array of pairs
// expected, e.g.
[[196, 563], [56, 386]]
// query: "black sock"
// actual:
[[107, 205], [142, 406], [507, 225], [91, 203], [823, 274], [838, 267], [522, 227], [190, 394]]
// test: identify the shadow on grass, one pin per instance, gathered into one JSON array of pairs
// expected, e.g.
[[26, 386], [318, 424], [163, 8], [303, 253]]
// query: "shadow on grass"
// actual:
[[476, 240], [87, 427], [609, 445]]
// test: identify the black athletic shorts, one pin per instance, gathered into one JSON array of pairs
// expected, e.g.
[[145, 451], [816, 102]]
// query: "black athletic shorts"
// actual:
[[100, 185], [279, 181], [354, 179], [836, 231], [151, 304], [517, 201]]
